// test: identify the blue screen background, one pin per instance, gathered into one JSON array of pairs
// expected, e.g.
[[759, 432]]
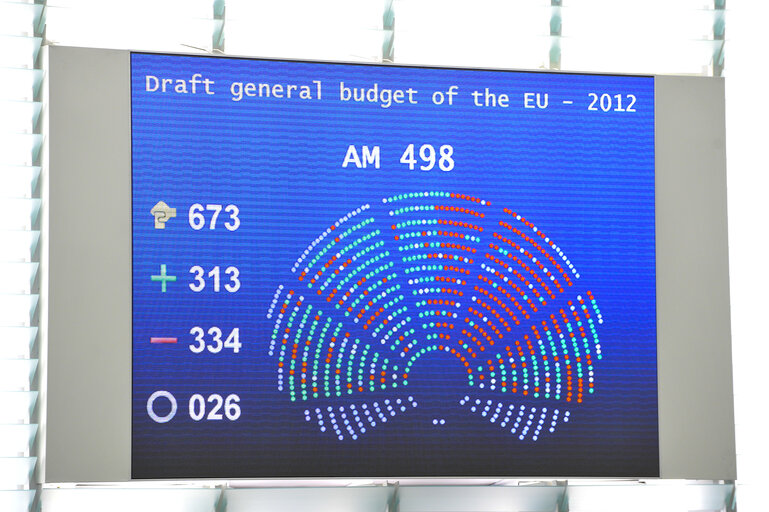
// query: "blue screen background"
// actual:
[[584, 177]]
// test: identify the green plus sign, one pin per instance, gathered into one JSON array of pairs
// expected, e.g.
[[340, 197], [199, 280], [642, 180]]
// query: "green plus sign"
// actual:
[[163, 278]]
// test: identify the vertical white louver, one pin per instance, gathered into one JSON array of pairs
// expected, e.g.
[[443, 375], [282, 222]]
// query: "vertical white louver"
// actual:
[[20, 25], [746, 76], [487, 33], [346, 30], [654, 37], [169, 25]]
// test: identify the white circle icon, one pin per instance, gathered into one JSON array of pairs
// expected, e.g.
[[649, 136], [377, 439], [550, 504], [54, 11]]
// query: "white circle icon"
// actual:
[[151, 402]]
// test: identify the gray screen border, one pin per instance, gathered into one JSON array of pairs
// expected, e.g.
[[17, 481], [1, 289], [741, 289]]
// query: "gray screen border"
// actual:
[[87, 177], [694, 353]]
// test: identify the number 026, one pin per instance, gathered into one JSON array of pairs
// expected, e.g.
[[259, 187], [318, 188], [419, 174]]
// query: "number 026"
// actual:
[[200, 405]]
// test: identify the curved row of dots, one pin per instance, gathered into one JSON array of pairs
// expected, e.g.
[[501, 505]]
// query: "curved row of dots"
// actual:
[[352, 420], [323, 235], [526, 421]]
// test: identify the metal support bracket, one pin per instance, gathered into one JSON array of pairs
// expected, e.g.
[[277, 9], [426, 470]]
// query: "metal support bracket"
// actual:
[[393, 504]]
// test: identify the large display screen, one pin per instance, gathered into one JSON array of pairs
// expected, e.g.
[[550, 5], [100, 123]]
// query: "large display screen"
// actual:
[[359, 270]]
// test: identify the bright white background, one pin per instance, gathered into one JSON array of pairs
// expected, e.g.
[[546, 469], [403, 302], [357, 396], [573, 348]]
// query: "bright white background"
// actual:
[[748, 184], [657, 36]]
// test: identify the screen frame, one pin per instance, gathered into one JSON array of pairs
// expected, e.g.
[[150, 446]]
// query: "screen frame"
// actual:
[[87, 400]]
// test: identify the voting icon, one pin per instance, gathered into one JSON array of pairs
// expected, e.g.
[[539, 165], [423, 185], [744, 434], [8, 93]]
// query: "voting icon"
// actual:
[[163, 213]]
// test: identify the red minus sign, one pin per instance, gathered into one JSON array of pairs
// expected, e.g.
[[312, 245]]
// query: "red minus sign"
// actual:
[[163, 340]]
